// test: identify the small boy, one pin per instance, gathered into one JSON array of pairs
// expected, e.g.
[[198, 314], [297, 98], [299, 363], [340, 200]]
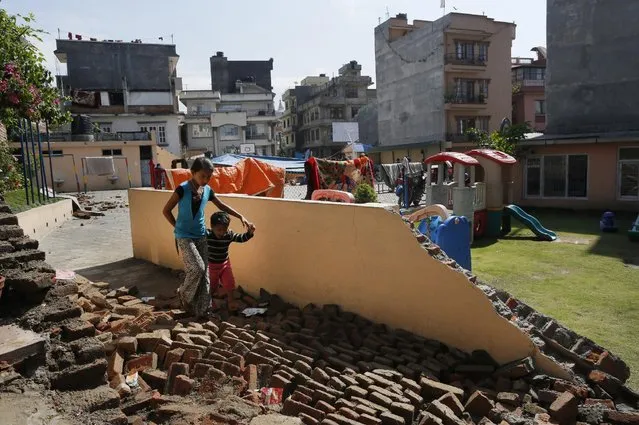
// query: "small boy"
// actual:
[[219, 238]]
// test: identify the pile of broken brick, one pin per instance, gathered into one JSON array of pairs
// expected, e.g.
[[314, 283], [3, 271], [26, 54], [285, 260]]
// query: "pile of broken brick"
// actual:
[[114, 358], [89, 207]]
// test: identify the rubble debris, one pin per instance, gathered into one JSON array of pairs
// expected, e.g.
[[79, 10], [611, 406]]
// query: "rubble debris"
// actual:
[[17, 345]]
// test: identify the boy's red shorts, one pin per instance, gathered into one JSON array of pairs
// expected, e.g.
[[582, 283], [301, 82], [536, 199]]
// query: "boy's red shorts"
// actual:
[[221, 273]]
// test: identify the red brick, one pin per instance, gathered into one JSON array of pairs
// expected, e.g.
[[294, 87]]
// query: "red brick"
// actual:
[[339, 419], [511, 399], [389, 418], [432, 390], [406, 411], [308, 420], [183, 385], [115, 365], [191, 356], [349, 413], [228, 368], [155, 378], [143, 362], [215, 375], [479, 405], [579, 391], [430, 419], [447, 416], [609, 383], [302, 398], [294, 408], [380, 399], [173, 356], [161, 350], [324, 407], [369, 404], [175, 370], [355, 391], [200, 370], [452, 402], [564, 409], [77, 330], [278, 381], [369, 420], [613, 366], [258, 359]]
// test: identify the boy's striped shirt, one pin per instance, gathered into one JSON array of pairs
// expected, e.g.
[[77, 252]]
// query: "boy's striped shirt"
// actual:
[[219, 248]]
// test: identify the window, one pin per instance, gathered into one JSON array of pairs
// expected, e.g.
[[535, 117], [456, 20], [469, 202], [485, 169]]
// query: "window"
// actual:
[[557, 176], [229, 132], [483, 52], [629, 173], [158, 128], [351, 92], [317, 134], [337, 113], [483, 88], [201, 130], [354, 111], [53, 153], [466, 123], [230, 108], [464, 50], [540, 107], [111, 152], [116, 98], [105, 127]]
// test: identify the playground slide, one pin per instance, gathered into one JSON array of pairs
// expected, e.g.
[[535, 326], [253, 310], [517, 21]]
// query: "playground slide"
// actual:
[[531, 222]]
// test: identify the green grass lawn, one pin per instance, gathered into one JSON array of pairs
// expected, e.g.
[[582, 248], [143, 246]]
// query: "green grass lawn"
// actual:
[[586, 280], [17, 200]]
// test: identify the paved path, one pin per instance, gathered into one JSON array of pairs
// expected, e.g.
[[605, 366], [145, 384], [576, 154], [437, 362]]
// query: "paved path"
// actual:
[[100, 250]]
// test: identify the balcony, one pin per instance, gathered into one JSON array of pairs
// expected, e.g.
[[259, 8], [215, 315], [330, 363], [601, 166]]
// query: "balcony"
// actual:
[[457, 138], [127, 136], [453, 101], [456, 63], [261, 136], [535, 86]]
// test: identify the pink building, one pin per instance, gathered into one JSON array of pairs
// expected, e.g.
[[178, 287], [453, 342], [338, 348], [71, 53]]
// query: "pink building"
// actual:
[[528, 77]]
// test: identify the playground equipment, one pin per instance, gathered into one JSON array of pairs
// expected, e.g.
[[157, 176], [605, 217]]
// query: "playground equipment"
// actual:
[[451, 233], [633, 233], [607, 222], [531, 222], [113, 178]]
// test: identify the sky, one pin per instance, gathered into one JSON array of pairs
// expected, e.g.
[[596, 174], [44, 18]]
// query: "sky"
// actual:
[[303, 37]]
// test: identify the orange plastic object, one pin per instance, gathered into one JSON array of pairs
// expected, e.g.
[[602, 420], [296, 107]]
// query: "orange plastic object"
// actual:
[[333, 196], [248, 177]]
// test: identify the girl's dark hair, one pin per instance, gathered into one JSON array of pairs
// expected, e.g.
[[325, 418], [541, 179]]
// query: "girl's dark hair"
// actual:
[[200, 164], [220, 217]]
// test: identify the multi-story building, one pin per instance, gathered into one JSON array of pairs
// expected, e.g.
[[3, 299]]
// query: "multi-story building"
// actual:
[[436, 79], [529, 102], [589, 155], [289, 118], [124, 87], [238, 120], [319, 104]]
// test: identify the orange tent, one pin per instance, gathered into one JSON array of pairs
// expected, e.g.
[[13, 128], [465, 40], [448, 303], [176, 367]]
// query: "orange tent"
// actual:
[[248, 177]]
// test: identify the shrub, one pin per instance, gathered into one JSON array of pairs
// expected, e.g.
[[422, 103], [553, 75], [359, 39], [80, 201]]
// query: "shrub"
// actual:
[[364, 193]]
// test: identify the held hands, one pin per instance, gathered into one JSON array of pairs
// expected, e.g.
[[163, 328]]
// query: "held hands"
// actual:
[[248, 225], [251, 228]]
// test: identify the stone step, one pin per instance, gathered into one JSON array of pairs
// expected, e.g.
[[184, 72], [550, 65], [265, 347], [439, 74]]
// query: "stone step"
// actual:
[[12, 260], [8, 218], [10, 231]]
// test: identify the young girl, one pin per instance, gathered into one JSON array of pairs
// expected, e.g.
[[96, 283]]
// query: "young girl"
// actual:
[[191, 198]]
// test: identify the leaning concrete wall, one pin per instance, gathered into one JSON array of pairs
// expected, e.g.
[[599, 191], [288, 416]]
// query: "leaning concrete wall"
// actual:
[[363, 258]]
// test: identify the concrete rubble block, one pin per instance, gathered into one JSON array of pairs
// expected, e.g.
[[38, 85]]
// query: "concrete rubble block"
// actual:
[[564, 409], [479, 405], [128, 345], [143, 362], [432, 390], [511, 399], [17, 344], [80, 377], [175, 370], [609, 404], [622, 418], [183, 385]]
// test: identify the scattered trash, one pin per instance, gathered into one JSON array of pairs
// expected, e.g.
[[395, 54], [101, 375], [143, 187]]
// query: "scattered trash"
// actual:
[[64, 275], [248, 312], [147, 299], [271, 396], [132, 380]]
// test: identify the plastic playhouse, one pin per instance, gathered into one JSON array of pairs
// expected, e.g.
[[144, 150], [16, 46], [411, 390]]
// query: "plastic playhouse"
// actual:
[[481, 190]]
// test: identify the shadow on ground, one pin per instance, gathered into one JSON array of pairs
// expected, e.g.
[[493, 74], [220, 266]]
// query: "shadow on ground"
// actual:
[[151, 280]]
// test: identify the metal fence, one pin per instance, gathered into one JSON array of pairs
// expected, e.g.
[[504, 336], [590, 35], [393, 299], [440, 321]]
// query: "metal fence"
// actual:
[[31, 158], [384, 194]]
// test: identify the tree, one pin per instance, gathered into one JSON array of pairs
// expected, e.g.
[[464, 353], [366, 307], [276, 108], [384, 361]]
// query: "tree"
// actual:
[[26, 89], [507, 140]]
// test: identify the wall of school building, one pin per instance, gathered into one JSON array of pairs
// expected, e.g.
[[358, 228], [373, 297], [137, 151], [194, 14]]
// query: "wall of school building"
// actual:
[[602, 178], [339, 262]]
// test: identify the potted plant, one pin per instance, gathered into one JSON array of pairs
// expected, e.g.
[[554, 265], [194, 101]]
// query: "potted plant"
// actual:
[[364, 193]]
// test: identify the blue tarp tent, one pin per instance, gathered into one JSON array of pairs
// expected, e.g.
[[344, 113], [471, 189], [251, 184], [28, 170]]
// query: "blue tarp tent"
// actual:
[[291, 165]]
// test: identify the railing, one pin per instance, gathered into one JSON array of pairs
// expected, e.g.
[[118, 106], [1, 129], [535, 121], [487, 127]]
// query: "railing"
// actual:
[[530, 83], [457, 137], [262, 136], [128, 136], [479, 193], [199, 113], [453, 98], [454, 59]]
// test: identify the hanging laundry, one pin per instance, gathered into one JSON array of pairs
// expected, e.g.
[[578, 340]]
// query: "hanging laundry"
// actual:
[[100, 166]]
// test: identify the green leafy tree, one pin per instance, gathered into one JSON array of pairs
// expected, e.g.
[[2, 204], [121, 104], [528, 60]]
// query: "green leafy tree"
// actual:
[[507, 141], [364, 193]]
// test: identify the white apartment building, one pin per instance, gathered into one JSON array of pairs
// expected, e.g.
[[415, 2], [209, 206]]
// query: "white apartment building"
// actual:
[[222, 123]]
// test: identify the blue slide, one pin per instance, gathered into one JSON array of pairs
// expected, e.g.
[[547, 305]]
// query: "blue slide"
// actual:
[[531, 222]]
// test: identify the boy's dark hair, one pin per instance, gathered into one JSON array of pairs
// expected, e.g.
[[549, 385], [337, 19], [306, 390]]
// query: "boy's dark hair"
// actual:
[[201, 164], [220, 217]]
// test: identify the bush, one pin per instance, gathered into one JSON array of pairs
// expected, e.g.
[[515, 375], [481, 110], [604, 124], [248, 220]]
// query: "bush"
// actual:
[[364, 193]]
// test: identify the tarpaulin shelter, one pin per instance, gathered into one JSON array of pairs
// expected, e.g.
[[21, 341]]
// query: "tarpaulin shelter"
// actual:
[[247, 176]]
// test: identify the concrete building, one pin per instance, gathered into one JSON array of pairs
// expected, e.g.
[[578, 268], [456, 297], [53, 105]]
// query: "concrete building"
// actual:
[[124, 87], [588, 157], [319, 102], [529, 102], [240, 122], [224, 73], [436, 79], [289, 118]]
